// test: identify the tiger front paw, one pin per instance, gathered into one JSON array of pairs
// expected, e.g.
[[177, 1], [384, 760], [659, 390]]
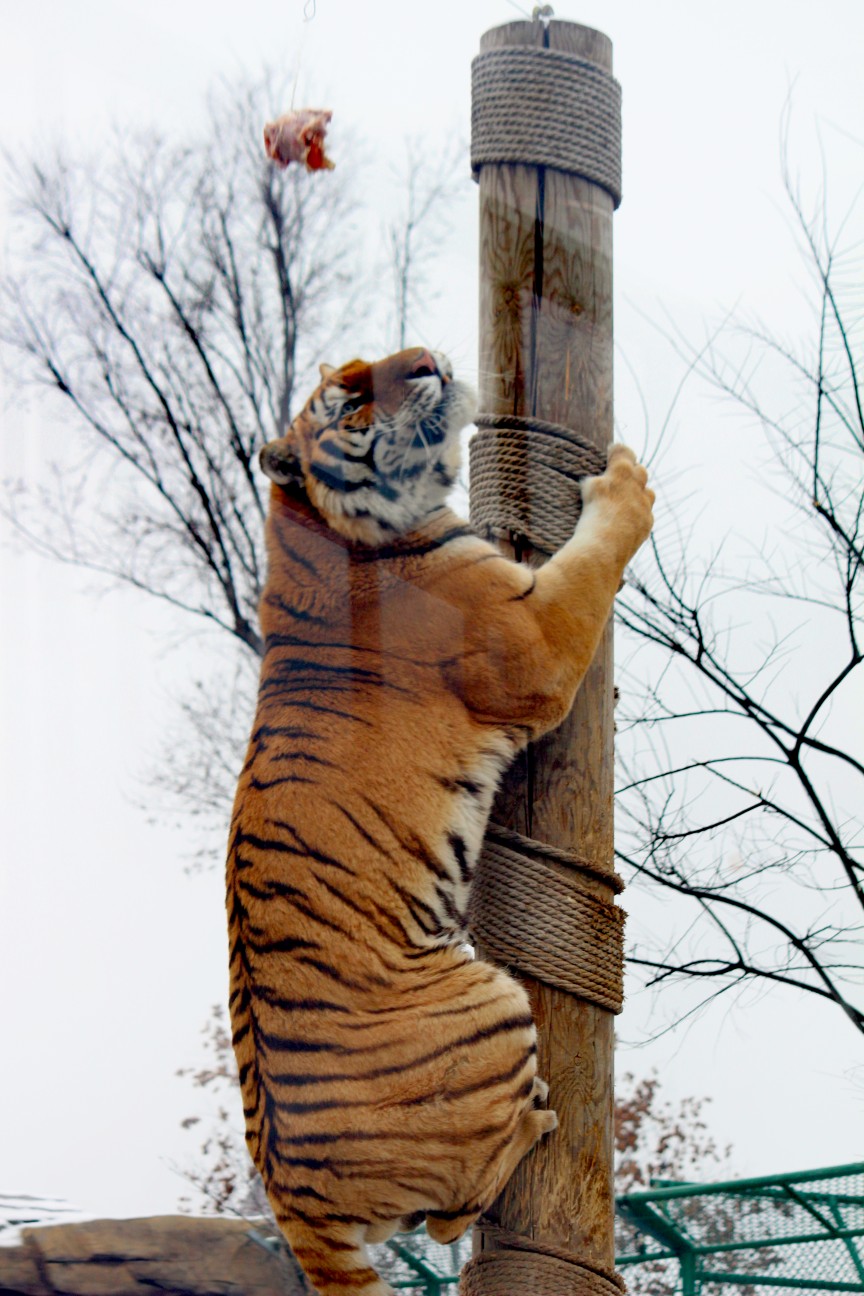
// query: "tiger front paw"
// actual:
[[622, 494]]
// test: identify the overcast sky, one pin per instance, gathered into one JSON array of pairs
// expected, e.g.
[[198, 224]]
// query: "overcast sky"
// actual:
[[111, 953]]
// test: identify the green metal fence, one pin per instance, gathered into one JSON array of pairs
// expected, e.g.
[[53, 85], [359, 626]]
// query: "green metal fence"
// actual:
[[803, 1232], [413, 1263]]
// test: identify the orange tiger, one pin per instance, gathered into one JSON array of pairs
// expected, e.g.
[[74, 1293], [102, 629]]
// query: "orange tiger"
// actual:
[[388, 1076]]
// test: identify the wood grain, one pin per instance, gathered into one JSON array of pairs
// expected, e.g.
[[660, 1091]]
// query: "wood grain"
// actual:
[[546, 350]]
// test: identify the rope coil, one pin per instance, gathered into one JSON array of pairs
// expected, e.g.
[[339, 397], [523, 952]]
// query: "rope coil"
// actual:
[[530, 1266], [576, 943], [512, 89], [524, 478]]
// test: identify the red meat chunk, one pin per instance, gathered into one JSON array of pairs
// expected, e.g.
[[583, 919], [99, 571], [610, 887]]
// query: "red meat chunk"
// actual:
[[299, 137]]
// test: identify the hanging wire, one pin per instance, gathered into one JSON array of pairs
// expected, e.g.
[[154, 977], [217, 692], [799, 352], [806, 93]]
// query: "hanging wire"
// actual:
[[310, 9]]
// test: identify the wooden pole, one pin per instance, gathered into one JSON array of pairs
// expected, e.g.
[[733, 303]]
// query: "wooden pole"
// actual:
[[546, 351]]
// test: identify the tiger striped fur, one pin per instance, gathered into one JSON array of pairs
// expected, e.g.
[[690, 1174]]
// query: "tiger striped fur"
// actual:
[[387, 1076]]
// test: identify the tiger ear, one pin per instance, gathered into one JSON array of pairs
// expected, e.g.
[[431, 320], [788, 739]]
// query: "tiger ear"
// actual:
[[325, 371], [279, 462]]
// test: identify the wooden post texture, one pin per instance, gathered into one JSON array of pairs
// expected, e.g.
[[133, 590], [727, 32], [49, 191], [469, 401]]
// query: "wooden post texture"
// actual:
[[546, 352]]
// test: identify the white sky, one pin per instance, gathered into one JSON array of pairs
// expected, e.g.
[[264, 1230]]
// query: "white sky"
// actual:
[[111, 954]]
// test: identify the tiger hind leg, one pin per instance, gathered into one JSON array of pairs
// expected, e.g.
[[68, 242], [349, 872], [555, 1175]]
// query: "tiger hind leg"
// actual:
[[447, 1226], [334, 1259]]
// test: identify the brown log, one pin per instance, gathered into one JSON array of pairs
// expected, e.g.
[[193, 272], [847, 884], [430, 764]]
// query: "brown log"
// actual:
[[546, 350]]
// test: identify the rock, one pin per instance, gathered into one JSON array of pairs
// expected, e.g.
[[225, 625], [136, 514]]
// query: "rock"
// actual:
[[180, 1255], [19, 1271]]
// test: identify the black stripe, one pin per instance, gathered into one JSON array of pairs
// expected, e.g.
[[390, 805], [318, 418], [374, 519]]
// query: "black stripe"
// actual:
[[311, 666], [242, 862], [265, 843], [354, 1278], [264, 785], [240, 994], [302, 1190], [521, 1021], [272, 599], [379, 927], [284, 731], [332, 1218], [517, 598], [413, 550], [333, 973], [330, 710], [270, 890], [464, 1008], [291, 692], [278, 639], [302, 1163], [489, 1082], [448, 905], [377, 1136], [461, 785], [284, 945], [466, 1211], [460, 850], [367, 836], [291, 1044], [293, 555], [327, 1104], [266, 994], [417, 908], [314, 916], [337, 481], [310, 757], [322, 1241], [410, 842], [310, 852]]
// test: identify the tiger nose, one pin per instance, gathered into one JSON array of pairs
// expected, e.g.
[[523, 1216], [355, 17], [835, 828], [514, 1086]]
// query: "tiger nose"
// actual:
[[424, 365]]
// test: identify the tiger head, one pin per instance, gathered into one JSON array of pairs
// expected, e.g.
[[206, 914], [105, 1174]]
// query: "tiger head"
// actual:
[[376, 447]]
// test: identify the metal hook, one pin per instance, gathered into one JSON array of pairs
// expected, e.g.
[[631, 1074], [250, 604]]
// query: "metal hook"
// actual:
[[310, 5], [542, 13]]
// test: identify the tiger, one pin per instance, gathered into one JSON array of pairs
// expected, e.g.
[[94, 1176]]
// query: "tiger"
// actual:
[[389, 1076]]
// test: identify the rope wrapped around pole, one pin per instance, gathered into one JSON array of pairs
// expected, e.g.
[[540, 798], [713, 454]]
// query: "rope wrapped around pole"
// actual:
[[544, 107], [530, 1267], [575, 941], [524, 479]]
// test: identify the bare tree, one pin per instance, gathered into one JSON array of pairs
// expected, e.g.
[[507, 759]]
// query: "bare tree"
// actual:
[[169, 295], [742, 774]]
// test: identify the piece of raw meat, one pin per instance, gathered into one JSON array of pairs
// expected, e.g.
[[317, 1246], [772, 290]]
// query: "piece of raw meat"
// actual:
[[299, 137]]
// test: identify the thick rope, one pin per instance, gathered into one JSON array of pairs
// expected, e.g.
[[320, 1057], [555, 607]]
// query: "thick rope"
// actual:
[[524, 479], [531, 1267], [573, 939], [522, 845], [543, 107]]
